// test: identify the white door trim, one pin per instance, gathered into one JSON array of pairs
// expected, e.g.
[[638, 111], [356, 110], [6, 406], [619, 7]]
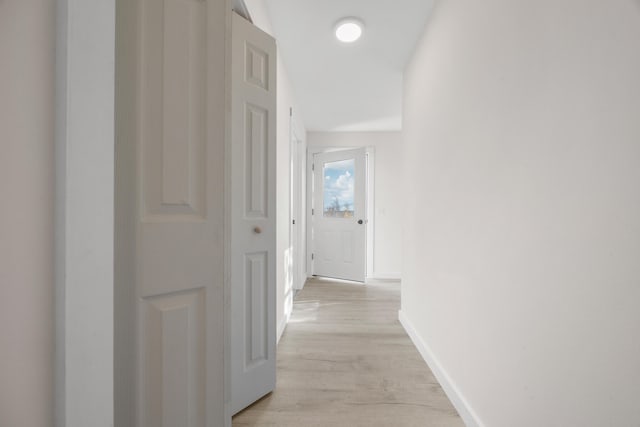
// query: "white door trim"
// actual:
[[311, 151], [371, 196], [228, 144], [84, 220], [297, 158]]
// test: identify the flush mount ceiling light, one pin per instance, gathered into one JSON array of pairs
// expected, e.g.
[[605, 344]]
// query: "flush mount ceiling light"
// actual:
[[348, 30]]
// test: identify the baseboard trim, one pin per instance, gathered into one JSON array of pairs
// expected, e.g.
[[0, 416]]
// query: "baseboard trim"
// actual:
[[282, 326], [300, 286], [467, 414], [385, 276]]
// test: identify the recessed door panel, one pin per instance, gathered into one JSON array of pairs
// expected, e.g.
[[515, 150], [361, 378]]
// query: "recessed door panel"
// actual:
[[174, 108], [256, 167], [256, 309], [174, 355], [257, 66]]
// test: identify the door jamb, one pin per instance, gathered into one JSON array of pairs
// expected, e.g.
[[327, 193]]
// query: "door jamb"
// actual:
[[297, 212], [84, 212], [227, 214]]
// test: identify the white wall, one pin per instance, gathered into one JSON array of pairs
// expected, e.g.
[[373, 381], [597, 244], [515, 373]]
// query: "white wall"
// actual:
[[286, 100], [27, 38], [522, 216], [389, 200]]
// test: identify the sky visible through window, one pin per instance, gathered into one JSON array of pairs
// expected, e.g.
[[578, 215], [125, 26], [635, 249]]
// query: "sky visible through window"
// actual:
[[338, 189]]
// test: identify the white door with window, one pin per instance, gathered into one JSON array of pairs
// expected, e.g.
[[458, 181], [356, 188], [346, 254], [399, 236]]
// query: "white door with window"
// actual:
[[253, 216], [339, 214]]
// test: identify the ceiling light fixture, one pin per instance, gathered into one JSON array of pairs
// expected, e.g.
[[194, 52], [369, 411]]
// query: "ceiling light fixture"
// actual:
[[348, 30]]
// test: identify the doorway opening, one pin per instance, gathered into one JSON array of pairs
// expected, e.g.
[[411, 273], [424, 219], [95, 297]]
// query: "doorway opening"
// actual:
[[340, 214]]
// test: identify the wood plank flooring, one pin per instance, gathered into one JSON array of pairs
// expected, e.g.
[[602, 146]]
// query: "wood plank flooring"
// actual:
[[345, 360]]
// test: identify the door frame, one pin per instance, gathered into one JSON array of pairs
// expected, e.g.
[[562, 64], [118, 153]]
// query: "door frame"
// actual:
[[297, 161], [84, 212], [370, 209]]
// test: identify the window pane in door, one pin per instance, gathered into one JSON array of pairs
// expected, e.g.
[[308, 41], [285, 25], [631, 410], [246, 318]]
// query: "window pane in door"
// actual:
[[338, 189]]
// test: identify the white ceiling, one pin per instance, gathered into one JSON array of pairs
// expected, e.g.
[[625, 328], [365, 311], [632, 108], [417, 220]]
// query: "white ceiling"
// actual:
[[348, 87]]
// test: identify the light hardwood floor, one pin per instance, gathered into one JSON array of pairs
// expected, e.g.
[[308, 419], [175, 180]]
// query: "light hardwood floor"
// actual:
[[344, 360]]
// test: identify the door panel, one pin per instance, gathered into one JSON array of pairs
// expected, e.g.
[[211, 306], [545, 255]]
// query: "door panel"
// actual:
[[339, 214], [175, 326], [179, 268], [253, 216], [256, 308], [174, 38]]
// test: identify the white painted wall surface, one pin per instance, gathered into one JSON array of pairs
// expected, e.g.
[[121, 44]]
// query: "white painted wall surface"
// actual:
[[522, 213], [27, 37], [286, 100], [389, 198]]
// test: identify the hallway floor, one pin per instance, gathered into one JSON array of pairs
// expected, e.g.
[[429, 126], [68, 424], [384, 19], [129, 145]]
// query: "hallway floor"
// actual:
[[345, 360]]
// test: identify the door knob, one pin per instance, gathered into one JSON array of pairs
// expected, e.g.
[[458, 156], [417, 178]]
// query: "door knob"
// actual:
[[360, 221], [257, 230]]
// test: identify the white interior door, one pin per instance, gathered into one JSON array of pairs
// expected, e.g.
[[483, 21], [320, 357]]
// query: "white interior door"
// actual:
[[177, 267], [339, 214], [253, 216]]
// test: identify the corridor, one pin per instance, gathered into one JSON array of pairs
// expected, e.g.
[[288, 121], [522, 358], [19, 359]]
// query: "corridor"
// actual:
[[345, 360]]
